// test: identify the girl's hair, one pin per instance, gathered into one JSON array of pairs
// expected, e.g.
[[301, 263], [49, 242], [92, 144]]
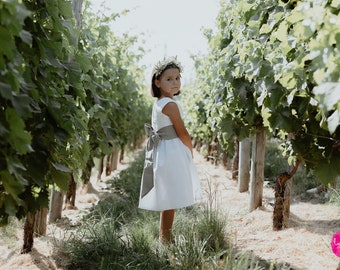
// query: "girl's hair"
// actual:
[[157, 72]]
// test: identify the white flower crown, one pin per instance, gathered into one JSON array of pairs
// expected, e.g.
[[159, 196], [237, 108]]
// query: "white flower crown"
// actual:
[[161, 65]]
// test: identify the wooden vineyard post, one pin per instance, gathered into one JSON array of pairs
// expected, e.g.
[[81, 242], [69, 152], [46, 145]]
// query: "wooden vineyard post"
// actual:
[[114, 164], [100, 168], [56, 206], [257, 170], [86, 176], [40, 224], [244, 165], [122, 153], [112, 161], [70, 197]]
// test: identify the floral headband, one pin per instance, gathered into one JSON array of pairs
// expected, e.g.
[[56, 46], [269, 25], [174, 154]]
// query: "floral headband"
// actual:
[[161, 65]]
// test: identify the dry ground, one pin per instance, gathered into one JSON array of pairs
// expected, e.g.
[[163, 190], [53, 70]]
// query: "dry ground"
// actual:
[[304, 245]]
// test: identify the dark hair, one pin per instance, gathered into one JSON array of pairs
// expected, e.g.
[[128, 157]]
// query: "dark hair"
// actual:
[[155, 91]]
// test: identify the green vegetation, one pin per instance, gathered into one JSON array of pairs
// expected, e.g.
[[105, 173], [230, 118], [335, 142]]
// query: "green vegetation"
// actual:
[[334, 191], [276, 163], [272, 65], [118, 235], [67, 95], [335, 196], [70, 94], [9, 234]]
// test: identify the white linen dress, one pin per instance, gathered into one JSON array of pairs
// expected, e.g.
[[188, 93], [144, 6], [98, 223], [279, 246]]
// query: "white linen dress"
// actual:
[[176, 183]]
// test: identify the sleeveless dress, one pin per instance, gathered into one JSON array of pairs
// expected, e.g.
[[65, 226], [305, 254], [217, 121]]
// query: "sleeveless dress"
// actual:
[[176, 183]]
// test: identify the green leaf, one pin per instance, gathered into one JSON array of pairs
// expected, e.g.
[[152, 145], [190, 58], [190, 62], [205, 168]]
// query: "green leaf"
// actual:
[[19, 137], [288, 80], [337, 39], [327, 170], [265, 29], [304, 30], [319, 75], [42, 201], [10, 205], [6, 43], [335, 4], [60, 178], [265, 113], [61, 167], [26, 37], [21, 104], [16, 168], [12, 186], [276, 95], [294, 17], [282, 31], [282, 120], [6, 91], [65, 8], [328, 94], [22, 13], [84, 62]]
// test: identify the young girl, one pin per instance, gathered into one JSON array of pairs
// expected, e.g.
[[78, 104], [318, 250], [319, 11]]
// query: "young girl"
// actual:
[[169, 179]]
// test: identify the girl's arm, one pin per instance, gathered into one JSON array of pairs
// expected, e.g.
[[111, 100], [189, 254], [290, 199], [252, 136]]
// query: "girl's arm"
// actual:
[[172, 111]]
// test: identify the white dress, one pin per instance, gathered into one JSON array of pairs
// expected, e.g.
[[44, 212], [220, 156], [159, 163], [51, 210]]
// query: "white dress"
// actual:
[[176, 183]]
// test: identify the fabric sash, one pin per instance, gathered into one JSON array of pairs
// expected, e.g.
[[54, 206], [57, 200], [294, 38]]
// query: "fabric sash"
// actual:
[[165, 133]]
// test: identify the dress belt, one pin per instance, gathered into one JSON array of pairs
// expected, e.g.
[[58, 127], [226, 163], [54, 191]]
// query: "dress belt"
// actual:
[[165, 133]]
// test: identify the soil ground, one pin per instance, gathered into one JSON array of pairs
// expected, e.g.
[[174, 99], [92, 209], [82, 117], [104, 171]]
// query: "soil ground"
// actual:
[[304, 245]]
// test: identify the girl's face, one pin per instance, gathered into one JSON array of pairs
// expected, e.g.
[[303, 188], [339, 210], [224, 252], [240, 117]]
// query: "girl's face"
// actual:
[[169, 83]]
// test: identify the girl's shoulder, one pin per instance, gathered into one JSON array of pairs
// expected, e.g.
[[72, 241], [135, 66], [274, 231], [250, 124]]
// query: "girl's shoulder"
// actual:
[[163, 101]]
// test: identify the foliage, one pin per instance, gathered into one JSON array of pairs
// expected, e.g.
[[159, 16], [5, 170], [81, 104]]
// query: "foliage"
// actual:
[[67, 94], [117, 108], [269, 63], [276, 163], [328, 95], [41, 118], [195, 117]]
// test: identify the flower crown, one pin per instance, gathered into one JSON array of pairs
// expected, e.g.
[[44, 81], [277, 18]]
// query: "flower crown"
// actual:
[[161, 65]]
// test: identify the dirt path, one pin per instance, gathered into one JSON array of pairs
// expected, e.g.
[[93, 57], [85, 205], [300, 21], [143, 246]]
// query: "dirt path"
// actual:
[[304, 245]]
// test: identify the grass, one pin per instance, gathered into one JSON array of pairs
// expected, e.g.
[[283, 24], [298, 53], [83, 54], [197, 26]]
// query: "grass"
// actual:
[[118, 235], [334, 197], [9, 233]]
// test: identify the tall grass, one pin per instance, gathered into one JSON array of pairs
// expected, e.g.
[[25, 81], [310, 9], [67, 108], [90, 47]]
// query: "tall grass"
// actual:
[[117, 235]]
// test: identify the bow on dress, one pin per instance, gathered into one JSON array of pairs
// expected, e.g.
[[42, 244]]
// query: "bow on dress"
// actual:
[[154, 137], [165, 133]]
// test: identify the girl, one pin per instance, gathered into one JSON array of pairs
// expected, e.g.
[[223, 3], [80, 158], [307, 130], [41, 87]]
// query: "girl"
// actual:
[[169, 179]]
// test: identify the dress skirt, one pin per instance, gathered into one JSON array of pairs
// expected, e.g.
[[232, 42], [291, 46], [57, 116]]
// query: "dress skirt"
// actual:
[[176, 183]]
